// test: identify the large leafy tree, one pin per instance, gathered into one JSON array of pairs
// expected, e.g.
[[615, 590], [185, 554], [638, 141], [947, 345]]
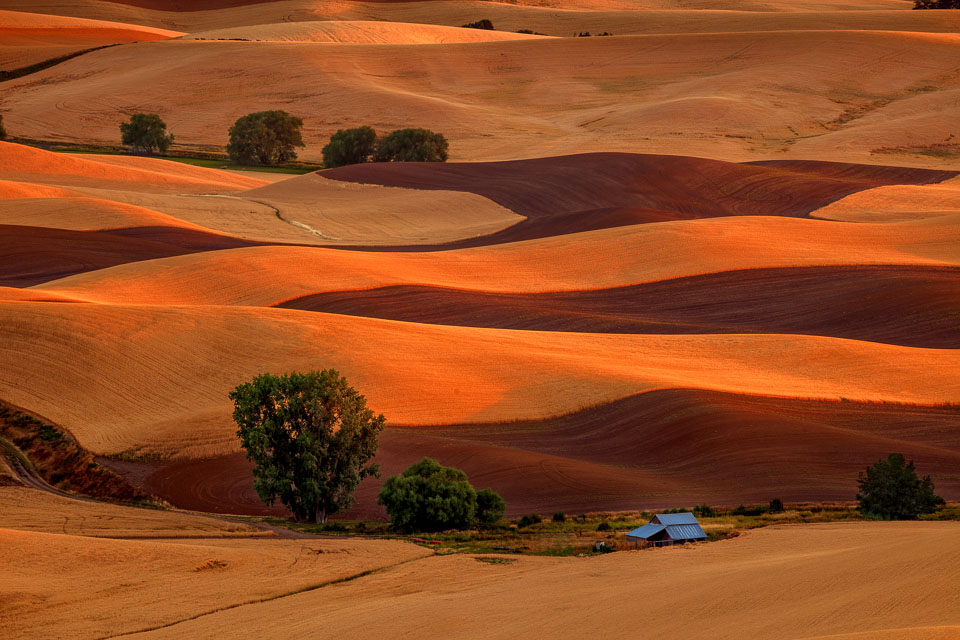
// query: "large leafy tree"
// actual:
[[265, 138], [890, 489], [350, 146], [146, 133], [412, 145], [431, 497], [310, 437]]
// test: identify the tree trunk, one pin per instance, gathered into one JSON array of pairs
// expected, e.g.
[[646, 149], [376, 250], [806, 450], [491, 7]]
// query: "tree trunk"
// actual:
[[321, 516]]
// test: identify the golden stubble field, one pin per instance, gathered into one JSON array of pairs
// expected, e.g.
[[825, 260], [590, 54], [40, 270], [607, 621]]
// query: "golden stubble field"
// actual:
[[135, 293], [874, 580]]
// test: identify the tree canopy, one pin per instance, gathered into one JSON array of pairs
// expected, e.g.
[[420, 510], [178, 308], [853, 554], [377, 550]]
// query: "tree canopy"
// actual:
[[265, 138], [145, 133], [431, 497], [350, 146], [310, 437], [412, 145], [891, 490]]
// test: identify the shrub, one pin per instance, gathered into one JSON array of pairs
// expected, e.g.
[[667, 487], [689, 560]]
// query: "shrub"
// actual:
[[704, 511], [891, 490], [776, 506], [528, 520], [412, 145], [145, 133], [749, 511], [350, 146], [559, 517], [431, 497], [265, 138], [479, 24], [604, 526], [490, 506]]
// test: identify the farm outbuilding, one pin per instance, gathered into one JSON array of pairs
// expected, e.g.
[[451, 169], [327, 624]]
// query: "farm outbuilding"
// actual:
[[666, 529]]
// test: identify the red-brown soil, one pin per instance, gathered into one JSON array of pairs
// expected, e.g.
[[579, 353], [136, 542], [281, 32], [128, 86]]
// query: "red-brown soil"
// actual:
[[659, 449], [569, 194], [911, 306], [33, 255]]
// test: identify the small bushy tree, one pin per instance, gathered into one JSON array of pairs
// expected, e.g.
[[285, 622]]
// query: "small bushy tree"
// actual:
[[310, 437], [776, 506], [704, 511], [350, 146], [479, 24], [265, 138], [412, 145], [529, 520], [891, 490], [146, 133], [490, 506], [431, 497]]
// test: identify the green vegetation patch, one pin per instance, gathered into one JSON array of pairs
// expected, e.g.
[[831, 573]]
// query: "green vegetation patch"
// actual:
[[57, 458]]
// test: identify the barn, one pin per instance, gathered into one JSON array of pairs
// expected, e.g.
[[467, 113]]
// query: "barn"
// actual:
[[666, 529]]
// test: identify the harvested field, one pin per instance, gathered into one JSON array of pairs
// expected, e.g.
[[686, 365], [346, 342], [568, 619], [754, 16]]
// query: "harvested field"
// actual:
[[30, 510], [168, 369], [359, 32], [718, 95], [898, 305], [651, 451], [163, 581], [887, 578], [607, 258], [29, 38], [712, 258]]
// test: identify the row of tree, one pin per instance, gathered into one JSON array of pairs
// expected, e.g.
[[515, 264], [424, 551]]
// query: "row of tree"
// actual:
[[361, 144], [270, 138], [311, 438]]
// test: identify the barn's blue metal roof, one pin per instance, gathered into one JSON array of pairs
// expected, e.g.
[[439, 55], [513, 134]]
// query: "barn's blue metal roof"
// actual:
[[675, 518], [685, 532], [646, 531]]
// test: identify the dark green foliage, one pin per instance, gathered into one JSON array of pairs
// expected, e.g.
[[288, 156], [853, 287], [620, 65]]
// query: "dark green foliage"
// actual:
[[412, 145], [559, 516], [936, 4], [350, 146], [891, 490], [749, 511], [776, 506], [530, 32], [490, 506], [310, 437], [49, 433], [429, 497], [704, 511], [145, 133], [528, 520], [479, 24], [265, 138], [604, 526], [3, 132]]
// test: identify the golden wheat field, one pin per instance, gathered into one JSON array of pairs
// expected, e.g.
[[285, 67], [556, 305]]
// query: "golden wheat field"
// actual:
[[709, 254]]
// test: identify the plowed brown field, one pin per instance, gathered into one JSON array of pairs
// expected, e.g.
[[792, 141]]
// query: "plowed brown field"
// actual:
[[712, 258]]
